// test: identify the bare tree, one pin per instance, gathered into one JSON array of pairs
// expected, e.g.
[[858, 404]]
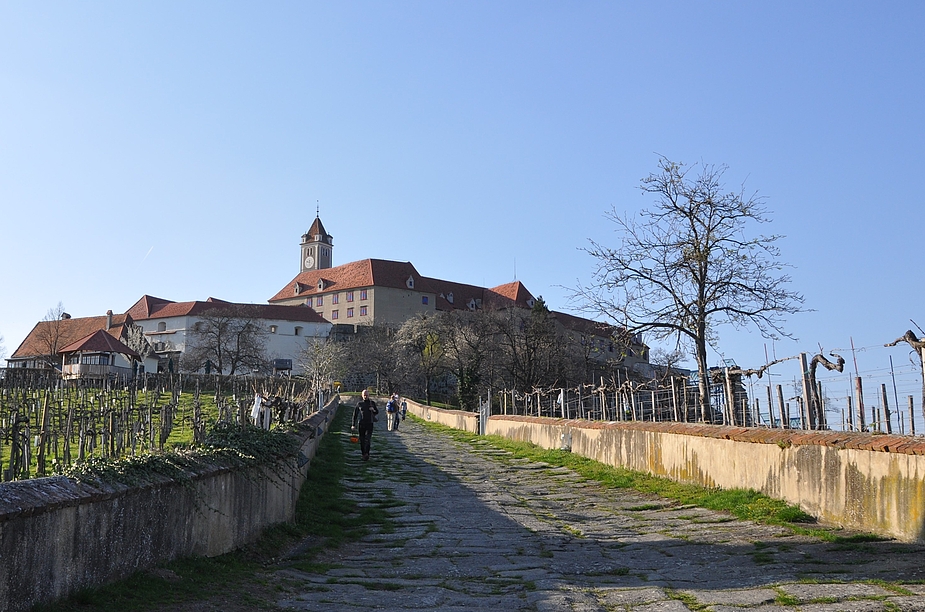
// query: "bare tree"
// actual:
[[2, 348], [686, 266], [666, 362], [322, 360], [371, 356], [471, 348], [50, 333], [422, 339], [230, 337], [535, 353]]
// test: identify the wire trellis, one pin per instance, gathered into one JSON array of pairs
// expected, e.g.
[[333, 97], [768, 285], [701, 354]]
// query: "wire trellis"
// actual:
[[888, 398], [47, 424]]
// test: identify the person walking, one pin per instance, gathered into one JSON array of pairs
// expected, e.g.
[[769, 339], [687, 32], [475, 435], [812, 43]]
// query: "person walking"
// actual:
[[364, 416], [393, 414]]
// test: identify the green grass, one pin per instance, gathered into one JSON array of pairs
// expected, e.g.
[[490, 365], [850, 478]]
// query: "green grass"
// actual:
[[688, 600], [783, 599], [323, 518], [743, 504]]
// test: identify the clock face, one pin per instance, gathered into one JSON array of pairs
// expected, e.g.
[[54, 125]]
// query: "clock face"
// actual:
[[309, 261]]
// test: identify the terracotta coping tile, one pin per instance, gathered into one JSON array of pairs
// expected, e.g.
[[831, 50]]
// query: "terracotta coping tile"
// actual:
[[759, 435]]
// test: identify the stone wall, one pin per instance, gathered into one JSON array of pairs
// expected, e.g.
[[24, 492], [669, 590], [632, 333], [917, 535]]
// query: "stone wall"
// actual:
[[58, 536], [873, 483], [457, 419]]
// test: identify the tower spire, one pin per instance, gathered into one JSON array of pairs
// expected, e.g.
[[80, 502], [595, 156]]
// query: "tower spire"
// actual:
[[317, 245]]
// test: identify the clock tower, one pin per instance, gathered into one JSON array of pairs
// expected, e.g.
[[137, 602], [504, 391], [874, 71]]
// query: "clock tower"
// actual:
[[317, 246]]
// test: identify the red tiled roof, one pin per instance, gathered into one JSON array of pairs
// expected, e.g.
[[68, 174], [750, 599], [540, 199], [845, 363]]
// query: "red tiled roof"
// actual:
[[67, 331], [355, 275], [368, 273], [156, 308], [460, 294], [100, 341], [513, 292], [145, 306]]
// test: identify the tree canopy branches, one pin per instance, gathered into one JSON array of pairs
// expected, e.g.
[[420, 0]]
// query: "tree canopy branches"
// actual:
[[687, 265]]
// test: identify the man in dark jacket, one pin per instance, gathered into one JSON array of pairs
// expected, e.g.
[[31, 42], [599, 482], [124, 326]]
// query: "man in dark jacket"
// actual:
[[364, 415]]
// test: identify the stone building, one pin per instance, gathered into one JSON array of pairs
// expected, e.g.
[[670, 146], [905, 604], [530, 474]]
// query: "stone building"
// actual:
[[383, 292]]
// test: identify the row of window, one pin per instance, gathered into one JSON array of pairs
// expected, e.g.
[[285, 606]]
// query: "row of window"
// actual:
[[335, 298], [335, 314], [89, 360]]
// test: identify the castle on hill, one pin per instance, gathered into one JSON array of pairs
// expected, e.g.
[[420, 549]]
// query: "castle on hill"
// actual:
[[383, 292]]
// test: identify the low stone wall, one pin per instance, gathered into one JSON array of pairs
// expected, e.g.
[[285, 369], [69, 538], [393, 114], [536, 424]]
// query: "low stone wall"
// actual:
[[873, 483], [457, 419], [58, 536]]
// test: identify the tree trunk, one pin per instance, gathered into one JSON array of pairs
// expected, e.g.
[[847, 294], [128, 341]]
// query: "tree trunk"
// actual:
[[704, 382]]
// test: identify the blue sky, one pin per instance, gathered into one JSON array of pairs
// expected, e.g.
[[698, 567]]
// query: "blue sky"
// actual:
[[179, 149]]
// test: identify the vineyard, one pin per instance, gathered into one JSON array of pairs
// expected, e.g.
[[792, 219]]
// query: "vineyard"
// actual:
[[48, 425], [873, 392]]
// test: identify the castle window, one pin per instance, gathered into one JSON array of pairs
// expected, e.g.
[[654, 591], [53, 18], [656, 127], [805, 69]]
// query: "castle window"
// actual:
[[350, 313], [298, 331], [162, 326], [335, 298], [424, 300], [363, 311], [410, 282], [272, 329], [333, 314], [350, 296], [362, 294], [319, 301]]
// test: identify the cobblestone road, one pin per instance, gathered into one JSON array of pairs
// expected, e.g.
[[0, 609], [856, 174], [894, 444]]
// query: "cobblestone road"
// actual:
[[480, 530]]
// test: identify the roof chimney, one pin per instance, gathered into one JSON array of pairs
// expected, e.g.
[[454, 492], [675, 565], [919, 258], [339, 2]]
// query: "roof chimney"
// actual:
[[108, 319]]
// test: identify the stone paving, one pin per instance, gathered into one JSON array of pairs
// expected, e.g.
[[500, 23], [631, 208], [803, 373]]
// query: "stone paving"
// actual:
[[476, 529]]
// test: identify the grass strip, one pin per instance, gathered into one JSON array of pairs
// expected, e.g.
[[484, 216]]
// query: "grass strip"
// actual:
[[745, 504]]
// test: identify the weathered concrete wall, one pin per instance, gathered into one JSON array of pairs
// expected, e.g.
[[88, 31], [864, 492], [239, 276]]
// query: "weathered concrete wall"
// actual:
[[58, 536], [874, 483], [457, 419]]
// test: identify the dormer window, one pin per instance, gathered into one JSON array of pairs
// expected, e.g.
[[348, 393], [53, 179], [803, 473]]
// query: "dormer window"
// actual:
[[449, 297], [320, 284], [297, 289], [410, 282], [471, 304], [530, 302]]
